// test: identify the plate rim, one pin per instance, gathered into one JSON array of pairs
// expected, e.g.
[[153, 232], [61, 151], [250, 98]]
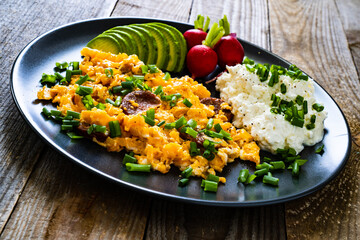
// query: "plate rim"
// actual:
[[137, 188]]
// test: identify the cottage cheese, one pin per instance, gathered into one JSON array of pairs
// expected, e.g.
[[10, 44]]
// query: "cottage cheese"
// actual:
[[251, 102]]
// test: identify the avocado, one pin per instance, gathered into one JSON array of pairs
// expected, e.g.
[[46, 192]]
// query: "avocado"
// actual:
[[150, 43], [123, 43], [162, 44], [128, 38], [139, 39], [174, 47], [106, 44], [182, 43]]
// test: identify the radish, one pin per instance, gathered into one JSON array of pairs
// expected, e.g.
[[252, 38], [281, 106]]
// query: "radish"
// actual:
[[201, 60], [229, 50], [196, 36]]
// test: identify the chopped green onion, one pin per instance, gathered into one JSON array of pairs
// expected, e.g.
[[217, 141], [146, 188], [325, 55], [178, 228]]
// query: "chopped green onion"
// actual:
[[117, 89], [191, 132], [264, 165], [47, 78], [109, 72], [66, 127], [167, 76], [108, 100], [271, 180], [46, 112], [71, 122], [153, 68], [76, 72], [84, 90], [318, 107], [210, 124], [129, 159], [169, 125], [248, 61], [149, 121], [125, 91], [283, 88], [210, 186], [161, 123], [115, 130], [213, 134], [151, 113], [217, 127], [133, 167], [297, 122], [310, 126], [187, 103], [139, 77], [299, 100], [68, 76], [183, 182], [101, 106], [180, 122], [144, 69], [75, 65], [208, 155], [194, 151], [158, 90], [73, 135], [187, 172], [55, 113], [192, 123], [274, 78], [243, 175], [226, 135], [296, 169], [300, 162], [82, 79], [305, 107], [320, 150], [278, 165], [117, 101], [127, 85], [261, 172], [61, 66], [212, 177], [250, 179]]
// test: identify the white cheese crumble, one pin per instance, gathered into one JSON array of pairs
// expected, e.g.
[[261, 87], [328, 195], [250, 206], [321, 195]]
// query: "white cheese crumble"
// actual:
[[251, 102]]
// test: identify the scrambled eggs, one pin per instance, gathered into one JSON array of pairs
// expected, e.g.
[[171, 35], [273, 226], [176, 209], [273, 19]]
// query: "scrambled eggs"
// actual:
[[152, 145]]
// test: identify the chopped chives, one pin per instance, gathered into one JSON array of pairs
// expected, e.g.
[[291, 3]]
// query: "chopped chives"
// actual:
[[320, 150], [73, 135], [169, 125], [167, 76], [212, 177], [210, 186], [187, 172], [217, 127], [298, 122], [299, 100], [208, 155], [278, 165], [108, 100], [192, 123], [76, 72], [310, 126], [139, 77], [318, 107], [66, 127], [46, 112], [100, 129], [267, 159], [68, 76], [161, 123], [296, 169], [117, 89], [129, 159], [191, 132], [61, 66], [300, 162], [133, 167], [109, 72], [243, 175], [140, 86], [149, 121], [313, 118], [283, 88], [55, 113], [226, 135], [117, 101], [261, 172], [180, 122], [271, 180], [305, 107], [125, 91], [213, 134], [158, 90], [71, 122], [187, 103], [82, 79], [73, 114], [210, 124], [250, 179], [248, 61], [84, 90], [115, 130], [127, 85], [183, 182], [75, 65]]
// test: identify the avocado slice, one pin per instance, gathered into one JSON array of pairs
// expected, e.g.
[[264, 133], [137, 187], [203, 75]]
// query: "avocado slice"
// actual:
[[182, 43], [162, 44], [150, 43], [123, 43], [174, 47], [128, 38], [105, 43], [139, 39]]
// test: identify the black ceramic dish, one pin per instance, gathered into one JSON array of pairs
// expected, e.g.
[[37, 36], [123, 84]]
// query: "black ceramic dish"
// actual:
[[65, 43]]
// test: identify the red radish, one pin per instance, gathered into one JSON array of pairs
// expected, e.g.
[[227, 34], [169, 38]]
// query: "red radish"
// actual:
[[229, 50], [197, 36], [201, 60]]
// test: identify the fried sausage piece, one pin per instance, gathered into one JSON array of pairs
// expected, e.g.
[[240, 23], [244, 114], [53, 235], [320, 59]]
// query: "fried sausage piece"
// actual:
[[82, 130], [216, 102], [139, 101]]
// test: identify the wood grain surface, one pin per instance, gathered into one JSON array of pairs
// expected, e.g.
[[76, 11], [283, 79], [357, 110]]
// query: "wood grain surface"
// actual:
[[45, 196]]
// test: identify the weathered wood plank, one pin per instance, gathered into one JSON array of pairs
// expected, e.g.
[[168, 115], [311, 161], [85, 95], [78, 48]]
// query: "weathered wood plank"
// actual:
[[311, 35], [350, 16], [63, 201], [173, 220], [171, 10], [20, 22]]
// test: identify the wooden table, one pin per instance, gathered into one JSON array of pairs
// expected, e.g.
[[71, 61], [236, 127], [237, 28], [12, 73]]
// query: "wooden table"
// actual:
[[44, 195]]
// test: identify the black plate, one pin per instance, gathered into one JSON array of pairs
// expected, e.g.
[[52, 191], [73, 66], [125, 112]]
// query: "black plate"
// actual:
[[65, 43]]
